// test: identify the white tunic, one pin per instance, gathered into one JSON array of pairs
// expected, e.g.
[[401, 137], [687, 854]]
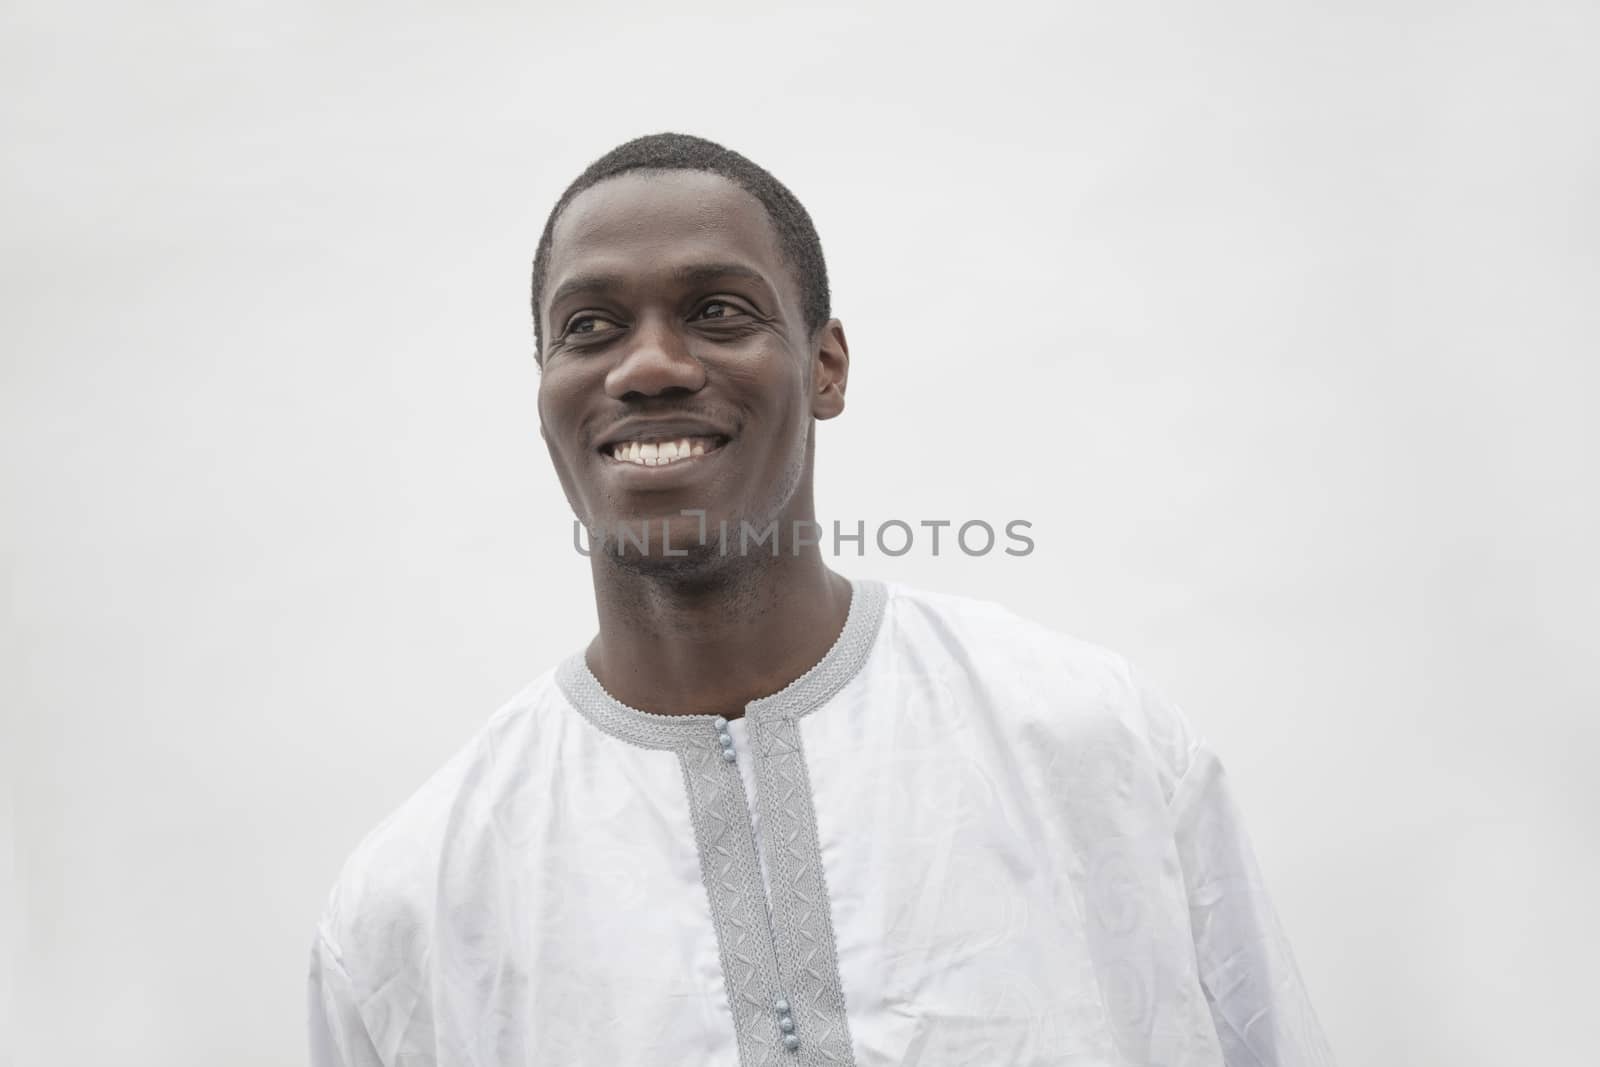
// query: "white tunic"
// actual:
[[960, 839]]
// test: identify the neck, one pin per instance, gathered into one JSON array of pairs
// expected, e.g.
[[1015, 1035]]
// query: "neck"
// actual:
[[710, 644]]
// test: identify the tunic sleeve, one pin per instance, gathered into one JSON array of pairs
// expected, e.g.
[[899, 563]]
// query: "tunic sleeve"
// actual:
[[339, 1038], [1262, 1014]]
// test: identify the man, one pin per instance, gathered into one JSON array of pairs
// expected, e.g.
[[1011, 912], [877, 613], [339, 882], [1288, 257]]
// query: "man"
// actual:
[[771, 815]]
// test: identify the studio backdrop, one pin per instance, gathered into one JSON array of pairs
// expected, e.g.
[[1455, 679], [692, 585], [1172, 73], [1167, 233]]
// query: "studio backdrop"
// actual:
[[1274, 324]]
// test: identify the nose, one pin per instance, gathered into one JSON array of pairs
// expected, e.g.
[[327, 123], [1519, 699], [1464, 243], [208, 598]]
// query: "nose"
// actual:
[[656, 361]]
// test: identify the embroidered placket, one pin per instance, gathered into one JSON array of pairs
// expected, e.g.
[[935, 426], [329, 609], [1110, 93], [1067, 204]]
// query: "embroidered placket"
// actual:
[[778, 956]]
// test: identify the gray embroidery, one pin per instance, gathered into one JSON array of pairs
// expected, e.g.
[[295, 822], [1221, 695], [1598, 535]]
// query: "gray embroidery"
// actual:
[[803, 923], [643, 728], [785, 948], [731, 872]]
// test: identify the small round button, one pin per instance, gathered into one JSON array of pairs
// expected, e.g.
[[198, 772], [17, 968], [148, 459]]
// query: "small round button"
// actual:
[[782, 1006], [791, 1042], [786, 1024], [720, 723], [727, 754]]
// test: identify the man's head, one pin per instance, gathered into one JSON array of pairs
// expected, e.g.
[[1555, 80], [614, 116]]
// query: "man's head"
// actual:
[[676, 151], [680, 302]]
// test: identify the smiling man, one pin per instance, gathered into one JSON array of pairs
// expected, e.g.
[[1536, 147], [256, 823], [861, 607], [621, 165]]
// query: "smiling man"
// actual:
[[771, 815]]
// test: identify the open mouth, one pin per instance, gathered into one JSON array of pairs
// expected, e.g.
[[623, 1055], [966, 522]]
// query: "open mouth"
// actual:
[[662, 453]]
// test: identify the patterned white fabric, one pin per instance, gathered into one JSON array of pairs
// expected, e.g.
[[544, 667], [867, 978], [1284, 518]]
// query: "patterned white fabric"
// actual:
[[985, 844]]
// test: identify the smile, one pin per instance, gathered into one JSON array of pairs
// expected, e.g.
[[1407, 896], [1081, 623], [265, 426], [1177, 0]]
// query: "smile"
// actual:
[[662, 453]]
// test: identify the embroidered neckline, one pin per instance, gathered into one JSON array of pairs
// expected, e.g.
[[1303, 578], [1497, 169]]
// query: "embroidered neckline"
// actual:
[[648, 729]]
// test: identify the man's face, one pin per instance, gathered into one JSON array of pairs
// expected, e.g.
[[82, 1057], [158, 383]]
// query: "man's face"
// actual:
[[677, 370]]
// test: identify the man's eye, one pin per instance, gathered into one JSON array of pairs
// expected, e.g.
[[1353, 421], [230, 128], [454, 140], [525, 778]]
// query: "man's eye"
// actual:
[[589, 324], [716, 309]]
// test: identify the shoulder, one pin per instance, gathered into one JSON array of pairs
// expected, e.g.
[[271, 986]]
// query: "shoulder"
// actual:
[[997, 638], [1042, 674], [378, 914]]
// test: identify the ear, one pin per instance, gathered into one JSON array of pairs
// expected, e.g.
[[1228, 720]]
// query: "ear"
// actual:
[[829, 371]]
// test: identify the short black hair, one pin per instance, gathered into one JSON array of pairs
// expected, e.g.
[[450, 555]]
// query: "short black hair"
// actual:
[[797, 237]]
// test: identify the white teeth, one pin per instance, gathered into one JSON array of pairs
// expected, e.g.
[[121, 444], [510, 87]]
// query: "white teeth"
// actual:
[[661, 453]]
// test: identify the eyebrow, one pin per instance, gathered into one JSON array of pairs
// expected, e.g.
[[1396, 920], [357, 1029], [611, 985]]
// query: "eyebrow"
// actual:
[[690, 274]]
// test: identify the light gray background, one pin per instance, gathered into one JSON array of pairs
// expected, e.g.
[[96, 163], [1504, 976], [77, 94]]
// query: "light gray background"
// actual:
[[1279, 324]]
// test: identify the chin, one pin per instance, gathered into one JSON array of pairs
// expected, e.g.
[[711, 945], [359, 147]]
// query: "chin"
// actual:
[[697, 566], [664, 538]]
